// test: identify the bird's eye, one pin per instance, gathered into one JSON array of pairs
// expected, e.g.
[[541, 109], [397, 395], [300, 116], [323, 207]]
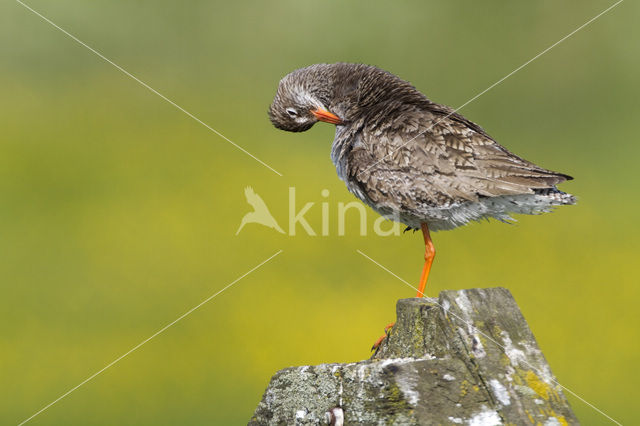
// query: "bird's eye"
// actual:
[[292, 112]]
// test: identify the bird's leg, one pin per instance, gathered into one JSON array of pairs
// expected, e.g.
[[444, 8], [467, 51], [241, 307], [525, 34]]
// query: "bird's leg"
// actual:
[[429, 254], [378, 342]]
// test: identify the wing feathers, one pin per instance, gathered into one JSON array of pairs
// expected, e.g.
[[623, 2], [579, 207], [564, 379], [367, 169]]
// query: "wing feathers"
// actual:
[[452, 160]]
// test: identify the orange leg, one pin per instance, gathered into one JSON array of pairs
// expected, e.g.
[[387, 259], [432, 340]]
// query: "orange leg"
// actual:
[[378, 342], [384, 336], [429, 254]]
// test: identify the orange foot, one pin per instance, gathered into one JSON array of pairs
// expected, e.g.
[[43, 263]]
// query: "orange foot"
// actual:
[[378, 342]]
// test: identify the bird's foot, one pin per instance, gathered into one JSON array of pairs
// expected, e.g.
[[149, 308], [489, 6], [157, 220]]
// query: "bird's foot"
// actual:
[[387, 331], [408, 228]]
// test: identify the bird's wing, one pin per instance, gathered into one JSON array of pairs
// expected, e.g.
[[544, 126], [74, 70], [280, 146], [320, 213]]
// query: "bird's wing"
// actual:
[[438, 157], [254, 199]]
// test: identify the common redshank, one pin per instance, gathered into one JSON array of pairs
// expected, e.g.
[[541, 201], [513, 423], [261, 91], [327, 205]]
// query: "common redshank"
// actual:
[[410, 158]]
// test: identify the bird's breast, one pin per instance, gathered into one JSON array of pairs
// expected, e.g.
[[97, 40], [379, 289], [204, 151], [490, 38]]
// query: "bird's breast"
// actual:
[[339, 151], [349, 155]]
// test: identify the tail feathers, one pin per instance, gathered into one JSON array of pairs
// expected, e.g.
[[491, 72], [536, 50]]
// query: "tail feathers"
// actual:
[[556, 197], [541, 201]]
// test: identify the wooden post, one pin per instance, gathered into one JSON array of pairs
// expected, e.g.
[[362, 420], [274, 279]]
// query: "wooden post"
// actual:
[[467, 357]]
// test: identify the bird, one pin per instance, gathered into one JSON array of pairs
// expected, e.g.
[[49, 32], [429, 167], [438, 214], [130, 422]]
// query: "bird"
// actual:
[[409, 158], [260, 213]]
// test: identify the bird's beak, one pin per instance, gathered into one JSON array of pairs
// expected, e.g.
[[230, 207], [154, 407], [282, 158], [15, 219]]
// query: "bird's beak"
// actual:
[[326, 116]]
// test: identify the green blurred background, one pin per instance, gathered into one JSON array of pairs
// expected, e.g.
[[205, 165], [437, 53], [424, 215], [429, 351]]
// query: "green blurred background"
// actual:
[[118, 212]]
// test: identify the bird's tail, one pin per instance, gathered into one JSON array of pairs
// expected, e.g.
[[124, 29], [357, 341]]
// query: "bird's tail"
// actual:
[[242, 223], [556, 197]]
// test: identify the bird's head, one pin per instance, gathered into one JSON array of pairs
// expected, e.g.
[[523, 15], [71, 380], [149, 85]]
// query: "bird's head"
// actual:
[[301, 100]]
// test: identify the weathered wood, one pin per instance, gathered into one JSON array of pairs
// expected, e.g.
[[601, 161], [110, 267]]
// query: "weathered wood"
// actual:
[[467, 357]]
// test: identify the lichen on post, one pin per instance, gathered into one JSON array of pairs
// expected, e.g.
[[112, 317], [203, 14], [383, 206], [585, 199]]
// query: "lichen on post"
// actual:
[[467, 357]]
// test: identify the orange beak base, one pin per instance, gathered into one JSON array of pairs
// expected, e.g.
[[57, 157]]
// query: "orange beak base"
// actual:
[[326, 116]]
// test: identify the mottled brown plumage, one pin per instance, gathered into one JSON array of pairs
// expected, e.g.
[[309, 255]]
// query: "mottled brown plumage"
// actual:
[[407, 157]]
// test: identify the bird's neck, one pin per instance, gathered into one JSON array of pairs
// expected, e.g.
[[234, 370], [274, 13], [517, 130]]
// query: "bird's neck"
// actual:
[[362, 92]]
